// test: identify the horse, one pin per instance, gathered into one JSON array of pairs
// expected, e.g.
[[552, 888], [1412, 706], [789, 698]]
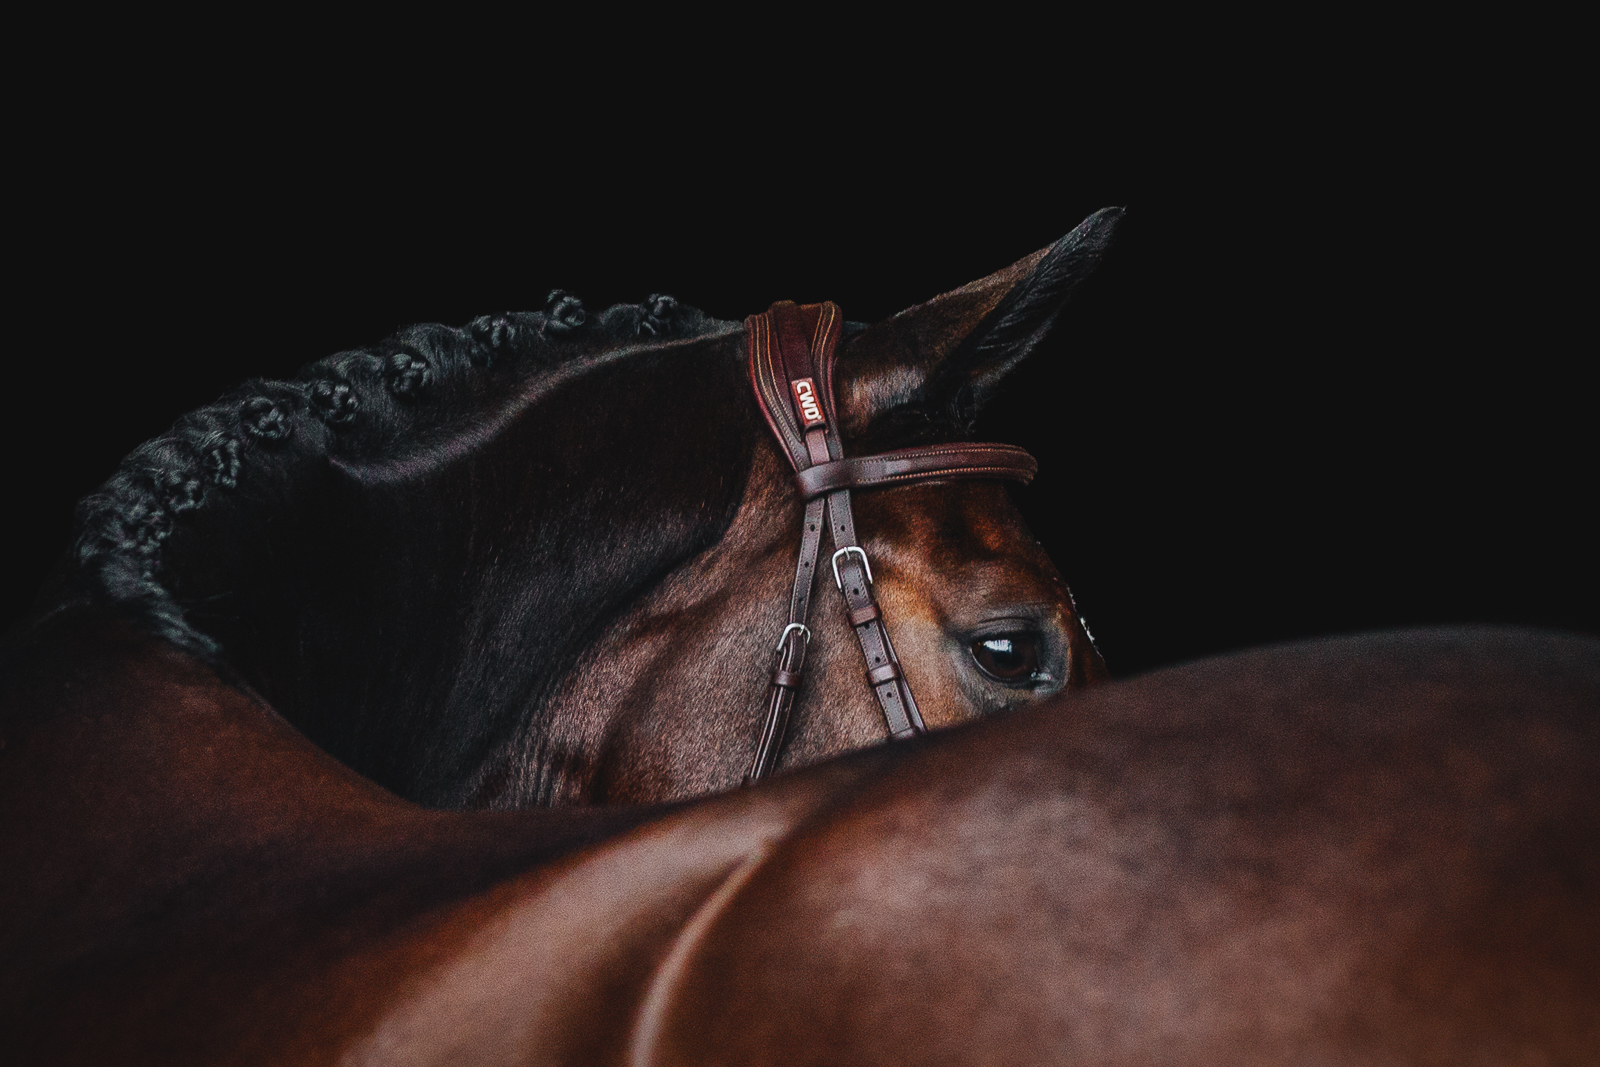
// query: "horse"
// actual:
[[398, 714], [533, 560]]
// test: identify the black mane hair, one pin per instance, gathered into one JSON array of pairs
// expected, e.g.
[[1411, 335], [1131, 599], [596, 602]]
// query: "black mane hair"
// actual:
[[287, 532]]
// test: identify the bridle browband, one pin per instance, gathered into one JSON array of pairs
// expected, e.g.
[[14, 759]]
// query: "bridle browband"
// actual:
[[792, 350]]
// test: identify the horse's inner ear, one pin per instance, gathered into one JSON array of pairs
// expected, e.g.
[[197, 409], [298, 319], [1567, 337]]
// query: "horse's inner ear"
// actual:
[[936, 364]]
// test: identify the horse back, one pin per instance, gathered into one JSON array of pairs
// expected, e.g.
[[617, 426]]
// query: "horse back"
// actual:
[[1348, 850]]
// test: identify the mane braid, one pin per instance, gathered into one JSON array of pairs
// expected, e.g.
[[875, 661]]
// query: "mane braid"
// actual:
[[359, 405]]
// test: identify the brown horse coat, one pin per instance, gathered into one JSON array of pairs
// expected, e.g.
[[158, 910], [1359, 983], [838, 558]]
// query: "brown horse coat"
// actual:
[[1379, 849]]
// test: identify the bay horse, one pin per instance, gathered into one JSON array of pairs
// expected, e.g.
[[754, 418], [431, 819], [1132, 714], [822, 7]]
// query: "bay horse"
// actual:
[[534, 560], [532, 569]]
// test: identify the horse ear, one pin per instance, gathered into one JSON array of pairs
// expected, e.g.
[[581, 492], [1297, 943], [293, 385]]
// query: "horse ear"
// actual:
[[940, 362]]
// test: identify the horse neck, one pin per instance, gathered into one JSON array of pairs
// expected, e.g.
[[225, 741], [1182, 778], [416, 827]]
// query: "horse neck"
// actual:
[[410, 613]]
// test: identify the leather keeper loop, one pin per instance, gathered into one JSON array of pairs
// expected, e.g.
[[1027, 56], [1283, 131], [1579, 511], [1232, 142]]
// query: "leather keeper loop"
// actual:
[[886, 673], [786, 679], [862, 616]]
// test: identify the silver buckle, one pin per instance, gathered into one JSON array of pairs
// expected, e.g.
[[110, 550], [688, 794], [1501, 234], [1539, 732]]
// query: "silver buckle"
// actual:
[[802, 627], [858, 550]]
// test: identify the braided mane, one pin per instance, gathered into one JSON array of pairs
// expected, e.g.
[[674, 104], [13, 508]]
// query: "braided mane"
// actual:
[[363, 405]]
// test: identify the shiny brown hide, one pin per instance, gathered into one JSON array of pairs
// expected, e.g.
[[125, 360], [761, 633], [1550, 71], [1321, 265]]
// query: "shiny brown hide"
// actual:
[[1381, 849]]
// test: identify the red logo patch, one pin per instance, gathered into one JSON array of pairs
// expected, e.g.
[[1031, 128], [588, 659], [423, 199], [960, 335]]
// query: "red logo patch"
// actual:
[[806, 402]]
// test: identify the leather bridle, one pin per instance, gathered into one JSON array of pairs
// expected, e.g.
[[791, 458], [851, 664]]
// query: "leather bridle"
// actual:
[[792, 352]]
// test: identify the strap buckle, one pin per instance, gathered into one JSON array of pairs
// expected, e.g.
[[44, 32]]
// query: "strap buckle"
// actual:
[[802, 627], [858, 550]]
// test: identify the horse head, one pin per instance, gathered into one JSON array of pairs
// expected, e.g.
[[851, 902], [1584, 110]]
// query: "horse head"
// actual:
[[544, 558]]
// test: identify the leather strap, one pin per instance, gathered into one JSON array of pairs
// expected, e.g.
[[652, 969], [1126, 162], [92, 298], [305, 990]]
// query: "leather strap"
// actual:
[[791, 650], [792, 351], [853, 577], [782, 342], [918, 465], [769, 375]]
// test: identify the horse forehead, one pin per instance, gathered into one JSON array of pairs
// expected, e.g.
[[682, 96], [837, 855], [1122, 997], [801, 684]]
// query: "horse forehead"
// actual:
[[955, 523], [957, 537]]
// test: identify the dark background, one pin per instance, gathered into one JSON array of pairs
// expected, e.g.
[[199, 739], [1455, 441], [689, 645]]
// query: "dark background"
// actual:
[[1328, 380]]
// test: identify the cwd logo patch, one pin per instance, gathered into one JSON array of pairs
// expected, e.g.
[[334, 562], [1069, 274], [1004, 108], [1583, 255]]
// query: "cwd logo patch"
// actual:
[[806, 402]]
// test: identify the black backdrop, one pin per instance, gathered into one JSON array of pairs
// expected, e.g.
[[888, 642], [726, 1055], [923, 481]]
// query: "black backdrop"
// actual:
[[1321, 384]]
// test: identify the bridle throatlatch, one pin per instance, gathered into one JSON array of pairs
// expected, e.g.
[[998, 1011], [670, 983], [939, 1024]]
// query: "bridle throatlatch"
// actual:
[[792, 352]]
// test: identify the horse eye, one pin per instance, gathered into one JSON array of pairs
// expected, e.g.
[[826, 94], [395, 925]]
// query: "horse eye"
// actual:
[[1007, 657]]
